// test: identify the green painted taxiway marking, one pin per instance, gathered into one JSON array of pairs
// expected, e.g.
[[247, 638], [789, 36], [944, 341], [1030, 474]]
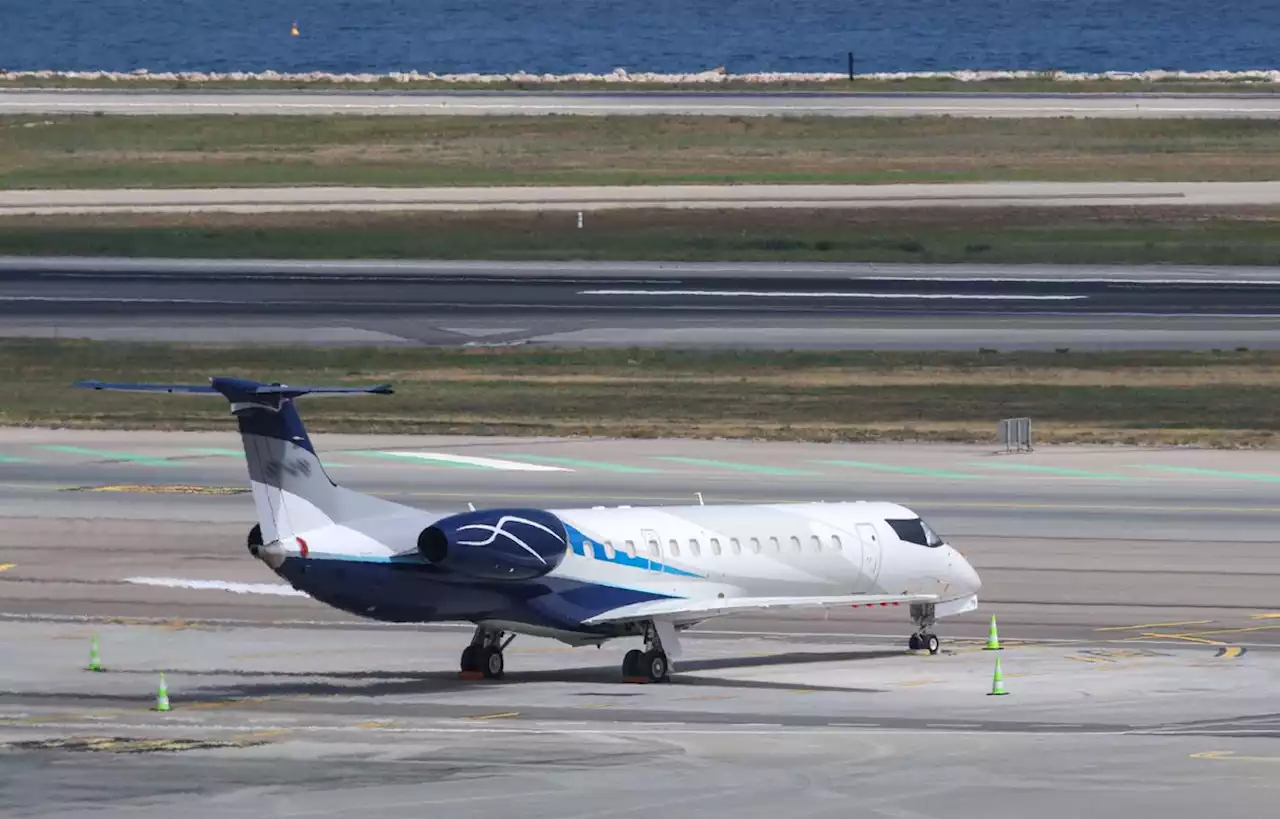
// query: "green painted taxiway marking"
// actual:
[[556, 461], [1266, 477], [9, 459], [112, 456], [761, 470], [1053, 470], [904, 470]]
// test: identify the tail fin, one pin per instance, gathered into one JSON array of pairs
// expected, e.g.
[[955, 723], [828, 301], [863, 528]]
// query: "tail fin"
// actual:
[[292, 492]]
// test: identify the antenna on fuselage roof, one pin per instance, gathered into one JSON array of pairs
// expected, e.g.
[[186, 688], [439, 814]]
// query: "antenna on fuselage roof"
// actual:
[[699, 494], [471, 506]]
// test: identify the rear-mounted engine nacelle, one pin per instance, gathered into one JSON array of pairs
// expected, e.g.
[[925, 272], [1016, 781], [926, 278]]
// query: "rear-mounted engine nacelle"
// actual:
[[496, 544]]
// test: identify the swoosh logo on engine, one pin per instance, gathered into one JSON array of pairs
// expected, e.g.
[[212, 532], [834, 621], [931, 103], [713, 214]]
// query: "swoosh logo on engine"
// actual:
[[495, 530]]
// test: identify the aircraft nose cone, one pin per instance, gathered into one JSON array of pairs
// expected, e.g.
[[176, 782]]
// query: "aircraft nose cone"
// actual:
[[966, 576]]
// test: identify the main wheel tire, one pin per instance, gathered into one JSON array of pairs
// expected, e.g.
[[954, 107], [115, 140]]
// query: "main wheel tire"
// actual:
[[471, 658], [914, 642], [493, 665], [656, 666], [633, 663], [931, 642]]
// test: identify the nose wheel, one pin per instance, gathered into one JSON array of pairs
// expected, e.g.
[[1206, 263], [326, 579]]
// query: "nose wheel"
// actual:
[[925, 641], [922, 616]]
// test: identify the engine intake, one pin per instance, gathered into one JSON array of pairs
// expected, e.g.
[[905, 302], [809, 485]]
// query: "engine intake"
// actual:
[[496, 544]]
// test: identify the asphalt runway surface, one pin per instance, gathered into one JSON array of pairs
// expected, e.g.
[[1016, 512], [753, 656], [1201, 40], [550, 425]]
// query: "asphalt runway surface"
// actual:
[[473, 103], [626, 304], [586, 199], [1135, 593]]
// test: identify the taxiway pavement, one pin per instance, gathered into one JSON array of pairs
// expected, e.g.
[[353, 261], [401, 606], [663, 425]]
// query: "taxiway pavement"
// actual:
[[1134, 590], [633, 103]]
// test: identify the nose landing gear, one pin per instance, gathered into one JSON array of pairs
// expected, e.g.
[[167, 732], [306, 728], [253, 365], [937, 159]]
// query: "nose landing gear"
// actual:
[[922, 616]]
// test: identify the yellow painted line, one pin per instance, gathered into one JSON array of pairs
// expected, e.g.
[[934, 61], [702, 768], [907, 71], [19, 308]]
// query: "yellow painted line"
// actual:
[[1231, 755], [1242, 630], [1188, 637], [608, 704], [1271, 615], [909, 683], [375, 724], [1230, 652], [503, 715], [274, 732], [1154, 625], [1087, 659], [4, 567]]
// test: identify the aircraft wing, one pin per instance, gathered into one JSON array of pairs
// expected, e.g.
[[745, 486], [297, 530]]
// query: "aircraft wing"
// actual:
[[680, 610]]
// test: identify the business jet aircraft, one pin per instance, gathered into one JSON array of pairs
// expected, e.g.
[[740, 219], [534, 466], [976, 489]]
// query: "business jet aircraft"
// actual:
[[582, 576]]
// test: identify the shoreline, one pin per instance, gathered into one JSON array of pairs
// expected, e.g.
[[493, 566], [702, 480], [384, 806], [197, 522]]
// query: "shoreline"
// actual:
[[644, 80]]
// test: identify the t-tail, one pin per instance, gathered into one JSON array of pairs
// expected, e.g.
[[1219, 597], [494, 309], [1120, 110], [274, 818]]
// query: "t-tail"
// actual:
[[291, 490]]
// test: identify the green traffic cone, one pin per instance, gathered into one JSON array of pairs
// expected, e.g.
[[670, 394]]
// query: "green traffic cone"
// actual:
[[997, 682], [993, 639], [95, 662], [162, 696]]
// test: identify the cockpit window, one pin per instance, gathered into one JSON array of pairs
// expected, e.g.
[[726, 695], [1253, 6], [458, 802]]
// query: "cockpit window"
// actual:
[[915, 530]]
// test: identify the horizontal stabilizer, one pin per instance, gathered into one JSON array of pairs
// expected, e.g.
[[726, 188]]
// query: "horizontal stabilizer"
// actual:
[[679, 610], [236, 389]]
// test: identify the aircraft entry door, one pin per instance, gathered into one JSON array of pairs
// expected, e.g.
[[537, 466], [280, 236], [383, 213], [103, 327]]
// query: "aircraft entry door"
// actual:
[[870, 553]]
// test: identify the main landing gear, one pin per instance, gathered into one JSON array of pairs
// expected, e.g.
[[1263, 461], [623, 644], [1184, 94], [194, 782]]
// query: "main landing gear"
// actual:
[[484, 655], [923, 618], [652, 664]]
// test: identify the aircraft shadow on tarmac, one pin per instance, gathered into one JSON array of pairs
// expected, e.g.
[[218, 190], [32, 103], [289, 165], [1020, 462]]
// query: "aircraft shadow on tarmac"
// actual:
[[379, 683]]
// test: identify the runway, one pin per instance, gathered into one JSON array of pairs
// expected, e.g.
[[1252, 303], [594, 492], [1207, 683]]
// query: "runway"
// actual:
[[626, 304], [634, 103], [1134, 591], [550, 198]]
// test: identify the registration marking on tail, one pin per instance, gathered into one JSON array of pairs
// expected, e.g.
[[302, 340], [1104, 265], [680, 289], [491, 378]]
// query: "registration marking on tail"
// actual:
[[480, 462]]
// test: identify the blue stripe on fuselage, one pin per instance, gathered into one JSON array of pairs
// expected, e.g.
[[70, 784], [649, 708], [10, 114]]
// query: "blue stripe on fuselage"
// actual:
[[579, 543], [406, 591]]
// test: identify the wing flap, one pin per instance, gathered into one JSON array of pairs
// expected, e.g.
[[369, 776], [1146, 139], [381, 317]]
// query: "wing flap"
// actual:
[[679, 609]]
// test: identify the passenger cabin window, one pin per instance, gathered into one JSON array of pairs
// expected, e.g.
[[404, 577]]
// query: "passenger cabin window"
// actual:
[[735, 546], [915, 530], [773, 541], [674, 548], [795, 543], [608, 550], [835, 542], [817, 543], [755, 545], [631, 548], [654, 551], [694, 548], [715, 546]]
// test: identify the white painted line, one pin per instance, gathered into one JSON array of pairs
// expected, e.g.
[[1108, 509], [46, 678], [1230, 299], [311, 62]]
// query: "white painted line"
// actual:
[[782, 294], [277, 589], [952, 725], [486, 463]]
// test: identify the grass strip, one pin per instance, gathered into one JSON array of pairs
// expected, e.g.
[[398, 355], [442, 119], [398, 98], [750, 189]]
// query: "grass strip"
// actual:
[[206, 151], [1203, 398], [1119, 235]]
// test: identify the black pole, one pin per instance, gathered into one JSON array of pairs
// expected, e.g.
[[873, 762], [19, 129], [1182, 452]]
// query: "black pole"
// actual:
[[850, 66]]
